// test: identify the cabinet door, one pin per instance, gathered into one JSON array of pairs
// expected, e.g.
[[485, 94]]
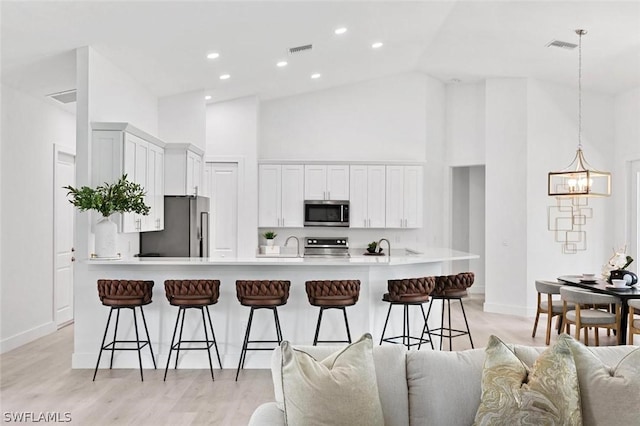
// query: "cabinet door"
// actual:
[[375, 191], [155, 189], [358, 200], [315, 182], [292, 206], [135, 167], [194, 173], [413, 196], [395, 197], [269, 195], [337, 182]]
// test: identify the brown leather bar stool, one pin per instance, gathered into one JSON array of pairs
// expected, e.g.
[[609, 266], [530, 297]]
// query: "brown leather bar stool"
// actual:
[[125, 294], [259, 294], [192, 294], [408, 292], [448, 288], [337, 294]]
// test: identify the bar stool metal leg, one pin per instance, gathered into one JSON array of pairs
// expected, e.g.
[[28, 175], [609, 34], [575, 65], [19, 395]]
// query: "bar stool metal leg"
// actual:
[[243, 352], [135, 325], [213, 337], [385, 323], [315, 338], [173, 339], [104, 337], [115, 334], [182, 310], [146, 330], [346, 323], [466, 323], [206, 341]]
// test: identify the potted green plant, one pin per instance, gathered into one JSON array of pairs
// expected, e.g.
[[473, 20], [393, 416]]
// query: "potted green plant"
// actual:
[[371, 248], [122, 196], [269, 236]]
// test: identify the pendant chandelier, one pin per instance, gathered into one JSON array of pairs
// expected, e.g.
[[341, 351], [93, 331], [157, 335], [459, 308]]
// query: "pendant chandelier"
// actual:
[[579, 179], [573, 186]]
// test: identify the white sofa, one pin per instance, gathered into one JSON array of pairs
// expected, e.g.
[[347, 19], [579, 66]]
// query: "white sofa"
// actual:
[[424, 387]]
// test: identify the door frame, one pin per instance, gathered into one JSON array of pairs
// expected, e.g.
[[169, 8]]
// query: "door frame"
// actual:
[[70, 151], [633, 206]]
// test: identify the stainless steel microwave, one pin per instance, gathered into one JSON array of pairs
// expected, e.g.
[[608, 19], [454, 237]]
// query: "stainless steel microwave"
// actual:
[[326, 213]]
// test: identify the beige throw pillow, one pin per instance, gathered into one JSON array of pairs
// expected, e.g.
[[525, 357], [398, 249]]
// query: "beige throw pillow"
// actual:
[[610, 395], [339, 390], [548, 395]]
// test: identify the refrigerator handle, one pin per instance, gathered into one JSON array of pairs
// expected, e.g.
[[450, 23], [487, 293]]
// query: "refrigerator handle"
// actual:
[[204, 238]]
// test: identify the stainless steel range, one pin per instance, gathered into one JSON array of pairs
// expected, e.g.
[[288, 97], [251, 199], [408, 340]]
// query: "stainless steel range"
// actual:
[[326, 247]]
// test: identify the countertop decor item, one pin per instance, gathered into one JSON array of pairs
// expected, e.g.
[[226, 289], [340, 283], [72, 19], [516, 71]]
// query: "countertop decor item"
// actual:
[[122, 196], [616, 267], [269, 236], [371, 248], [573, 186]]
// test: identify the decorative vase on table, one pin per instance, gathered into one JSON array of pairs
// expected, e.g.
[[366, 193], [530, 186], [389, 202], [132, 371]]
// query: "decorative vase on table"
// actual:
[[623, 274], [106, 232], [270, 243]]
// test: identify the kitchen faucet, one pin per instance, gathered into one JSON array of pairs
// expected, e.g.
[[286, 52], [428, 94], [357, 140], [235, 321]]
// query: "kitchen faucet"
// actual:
[[286, 243], [388, 245]]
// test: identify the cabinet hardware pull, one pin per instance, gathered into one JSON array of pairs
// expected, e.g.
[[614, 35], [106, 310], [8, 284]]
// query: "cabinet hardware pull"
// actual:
[[73, 259]]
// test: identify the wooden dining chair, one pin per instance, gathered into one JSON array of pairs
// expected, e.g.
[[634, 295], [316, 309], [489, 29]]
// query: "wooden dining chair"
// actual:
[[549, 306], [583, 316], [634, 322]]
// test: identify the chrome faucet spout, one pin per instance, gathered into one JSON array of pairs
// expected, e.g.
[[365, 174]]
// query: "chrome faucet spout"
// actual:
[[388, 245], [286, 243]]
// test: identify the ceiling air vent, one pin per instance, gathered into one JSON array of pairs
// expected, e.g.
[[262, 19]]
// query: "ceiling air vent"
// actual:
[[300, 49], [562, 44], [65, 97]]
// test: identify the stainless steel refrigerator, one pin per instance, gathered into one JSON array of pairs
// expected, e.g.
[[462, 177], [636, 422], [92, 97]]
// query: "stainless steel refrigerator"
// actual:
[[186, 229]]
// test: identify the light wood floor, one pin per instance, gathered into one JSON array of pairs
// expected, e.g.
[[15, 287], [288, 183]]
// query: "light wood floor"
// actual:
[[37, 377]]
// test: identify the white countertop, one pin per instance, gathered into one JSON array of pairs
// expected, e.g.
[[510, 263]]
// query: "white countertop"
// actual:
[[425, 256]]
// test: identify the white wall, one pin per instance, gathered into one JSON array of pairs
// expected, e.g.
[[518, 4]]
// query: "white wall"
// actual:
[[232, 132], [465, 108], [506, 198], [377, 120], [182, 118], [552, 132], [30, 128], [626, 149]]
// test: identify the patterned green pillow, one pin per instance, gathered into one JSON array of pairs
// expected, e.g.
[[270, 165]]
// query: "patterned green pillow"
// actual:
[[548, 395]]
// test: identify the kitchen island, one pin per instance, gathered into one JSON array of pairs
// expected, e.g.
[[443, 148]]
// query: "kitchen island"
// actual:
[[297, 317]]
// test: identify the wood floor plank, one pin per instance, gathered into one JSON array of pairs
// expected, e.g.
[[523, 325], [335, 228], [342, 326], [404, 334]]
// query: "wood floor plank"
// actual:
[[37, 377]]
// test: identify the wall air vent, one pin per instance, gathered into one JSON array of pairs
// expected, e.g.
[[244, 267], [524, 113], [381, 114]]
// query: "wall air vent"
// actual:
[[65, 97], [300, 49], [562, 44]]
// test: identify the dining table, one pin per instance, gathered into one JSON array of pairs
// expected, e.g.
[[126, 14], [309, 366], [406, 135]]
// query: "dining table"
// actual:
[[604, 287]]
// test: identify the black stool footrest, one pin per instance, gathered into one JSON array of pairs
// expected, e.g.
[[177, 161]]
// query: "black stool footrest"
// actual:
[[419, 340], [112, 345]]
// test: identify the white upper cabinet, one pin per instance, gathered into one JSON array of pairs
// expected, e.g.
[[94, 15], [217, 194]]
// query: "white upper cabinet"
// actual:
[[404, 197], [367, 196], [326, 182], [184, 169], [280, 195], [120, 148]]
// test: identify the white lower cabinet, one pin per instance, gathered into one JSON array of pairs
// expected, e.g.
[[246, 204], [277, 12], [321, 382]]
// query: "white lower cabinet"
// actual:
[[404, 196], [367, 201], [120, 148], [280, 195]]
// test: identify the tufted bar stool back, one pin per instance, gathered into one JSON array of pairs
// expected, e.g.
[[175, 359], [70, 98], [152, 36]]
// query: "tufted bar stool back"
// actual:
[[332, 294], [192, 294], [448, 288], [408, 292], [125, 294], [261, 294]]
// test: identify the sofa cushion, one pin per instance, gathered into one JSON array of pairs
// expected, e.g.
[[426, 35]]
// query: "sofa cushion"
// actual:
[[610, 395], [391, 376], [339, 390], [548, 395]]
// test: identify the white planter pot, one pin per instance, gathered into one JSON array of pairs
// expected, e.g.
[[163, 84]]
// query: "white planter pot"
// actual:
[[106, 232], [270, 243]]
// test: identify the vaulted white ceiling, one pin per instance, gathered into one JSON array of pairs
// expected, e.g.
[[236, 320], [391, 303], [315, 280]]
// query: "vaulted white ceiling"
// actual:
[[163, 44]]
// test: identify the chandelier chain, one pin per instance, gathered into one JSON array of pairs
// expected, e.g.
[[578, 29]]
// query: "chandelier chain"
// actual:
[[580, 90]]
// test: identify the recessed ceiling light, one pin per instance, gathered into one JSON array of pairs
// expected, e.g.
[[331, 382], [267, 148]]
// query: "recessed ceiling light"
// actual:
[[340, 30], [376, 45], [213, 55], [316, 75], [225, 77], [207, 98], [282, 64]]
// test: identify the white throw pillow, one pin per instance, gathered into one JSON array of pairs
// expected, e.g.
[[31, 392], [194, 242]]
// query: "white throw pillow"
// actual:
[[339, 390]]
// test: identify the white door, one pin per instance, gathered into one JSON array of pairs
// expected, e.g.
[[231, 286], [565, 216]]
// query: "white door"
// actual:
[[375, 196], [358, 214], [315, 182], [292, 193], [395, 197], [413, 197], [64, 215], [269, 195], [337, 182], [223, 209]]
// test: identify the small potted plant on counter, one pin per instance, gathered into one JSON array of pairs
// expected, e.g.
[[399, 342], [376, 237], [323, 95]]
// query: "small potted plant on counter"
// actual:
[[371, 248], [122, 196], [269, 236]]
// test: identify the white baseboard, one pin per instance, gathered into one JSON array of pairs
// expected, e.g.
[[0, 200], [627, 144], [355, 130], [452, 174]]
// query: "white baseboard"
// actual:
[[28, 336], [476, 289]]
